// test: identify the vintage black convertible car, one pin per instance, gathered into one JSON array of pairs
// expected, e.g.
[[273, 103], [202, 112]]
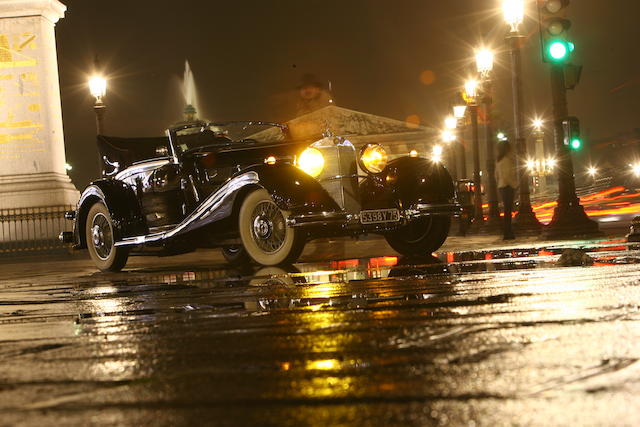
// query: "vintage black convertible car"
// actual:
[[256, 193]]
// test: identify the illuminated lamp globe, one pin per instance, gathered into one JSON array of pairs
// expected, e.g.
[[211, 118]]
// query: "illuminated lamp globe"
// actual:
[[471, 89], [484, 61], [459, 110], [97, 87], [450, 122], [513, 11]]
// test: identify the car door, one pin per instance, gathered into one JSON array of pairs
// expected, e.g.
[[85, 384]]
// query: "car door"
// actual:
[[157, 184]]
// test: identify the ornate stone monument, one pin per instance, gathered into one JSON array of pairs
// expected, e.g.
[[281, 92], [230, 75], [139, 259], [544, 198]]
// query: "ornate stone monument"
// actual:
[[32, 156]]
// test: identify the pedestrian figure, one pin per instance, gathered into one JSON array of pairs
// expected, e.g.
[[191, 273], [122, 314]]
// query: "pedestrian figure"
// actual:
[[507, 184]]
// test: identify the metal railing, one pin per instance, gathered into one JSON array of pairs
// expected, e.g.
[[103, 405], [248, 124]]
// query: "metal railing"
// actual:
[[33, 229]]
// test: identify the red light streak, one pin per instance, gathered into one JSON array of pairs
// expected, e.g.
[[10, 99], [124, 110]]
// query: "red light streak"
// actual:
[[602, 193], [597, 204]]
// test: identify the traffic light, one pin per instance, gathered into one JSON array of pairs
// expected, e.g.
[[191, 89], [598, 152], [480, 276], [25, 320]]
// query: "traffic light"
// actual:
[[571, 128], [554, 27]]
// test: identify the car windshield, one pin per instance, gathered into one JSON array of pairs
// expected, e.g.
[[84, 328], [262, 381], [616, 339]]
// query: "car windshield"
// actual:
[[226, 133]]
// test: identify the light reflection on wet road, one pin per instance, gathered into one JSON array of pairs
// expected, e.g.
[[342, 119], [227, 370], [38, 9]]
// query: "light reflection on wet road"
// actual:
[[483, 338]]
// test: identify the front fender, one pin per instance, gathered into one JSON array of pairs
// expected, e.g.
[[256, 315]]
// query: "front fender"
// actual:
[[293, 190], [410, 181], [123, 206], [417, 180]]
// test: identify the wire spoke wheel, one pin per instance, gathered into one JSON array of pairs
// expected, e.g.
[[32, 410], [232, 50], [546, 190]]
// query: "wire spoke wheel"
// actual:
[[264, 232], [269, 227], [102, 236], [101, 240]]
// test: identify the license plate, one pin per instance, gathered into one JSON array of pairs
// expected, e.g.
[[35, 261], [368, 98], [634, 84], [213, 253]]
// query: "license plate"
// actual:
[[379, 216]]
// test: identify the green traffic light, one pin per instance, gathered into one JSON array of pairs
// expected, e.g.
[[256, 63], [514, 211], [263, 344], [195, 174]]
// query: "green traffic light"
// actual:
[[576, 144], [558, 50]]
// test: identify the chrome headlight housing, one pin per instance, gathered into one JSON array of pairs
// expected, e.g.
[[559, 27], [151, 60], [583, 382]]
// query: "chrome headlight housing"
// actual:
[[373, 158]]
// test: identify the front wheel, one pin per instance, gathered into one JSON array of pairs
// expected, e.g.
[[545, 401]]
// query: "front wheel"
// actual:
[[420, 236], [101, 240], [264, 232]]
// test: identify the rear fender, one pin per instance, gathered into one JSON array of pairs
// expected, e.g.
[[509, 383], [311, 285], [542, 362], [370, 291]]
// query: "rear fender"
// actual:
[[122, 203]]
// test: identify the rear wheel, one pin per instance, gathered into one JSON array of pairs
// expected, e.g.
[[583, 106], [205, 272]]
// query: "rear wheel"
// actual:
[[264, 232], [101, 240], [421, 236]]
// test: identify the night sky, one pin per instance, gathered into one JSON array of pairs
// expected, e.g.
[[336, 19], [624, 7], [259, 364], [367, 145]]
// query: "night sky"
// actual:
[[249, 56]]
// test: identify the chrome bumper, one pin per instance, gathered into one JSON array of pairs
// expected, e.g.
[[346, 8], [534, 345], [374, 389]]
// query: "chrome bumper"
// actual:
[[349, 219]]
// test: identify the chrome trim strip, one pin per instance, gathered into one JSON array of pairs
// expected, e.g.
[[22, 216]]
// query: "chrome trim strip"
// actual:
[[336, 177], [428, 208], [320, 218], [141, 167], [204, 210], [114, 165]]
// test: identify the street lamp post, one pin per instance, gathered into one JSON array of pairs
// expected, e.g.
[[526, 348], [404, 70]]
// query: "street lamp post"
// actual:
[[540, 152], [514, 15], [98, 88], [471, 89], [484, 65], [459, 111], [448, 138], [569, 217]]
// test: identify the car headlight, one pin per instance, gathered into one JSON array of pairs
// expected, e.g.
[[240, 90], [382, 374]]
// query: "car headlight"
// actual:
[[311, 161], [373, 158]]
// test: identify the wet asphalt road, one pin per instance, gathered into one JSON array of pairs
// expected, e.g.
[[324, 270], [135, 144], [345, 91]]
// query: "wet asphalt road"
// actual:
[[477, 338]]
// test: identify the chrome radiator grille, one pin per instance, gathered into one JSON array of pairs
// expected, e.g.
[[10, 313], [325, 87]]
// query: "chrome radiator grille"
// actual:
[[339, 176]]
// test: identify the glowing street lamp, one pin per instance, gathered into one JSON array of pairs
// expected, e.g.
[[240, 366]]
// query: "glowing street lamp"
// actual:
[[513, 13], [551, 163], [447, 136], [471, 89], [484, 62], [537, 124], [593, 171], [436, 153], [98, 89], [451, 122]]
